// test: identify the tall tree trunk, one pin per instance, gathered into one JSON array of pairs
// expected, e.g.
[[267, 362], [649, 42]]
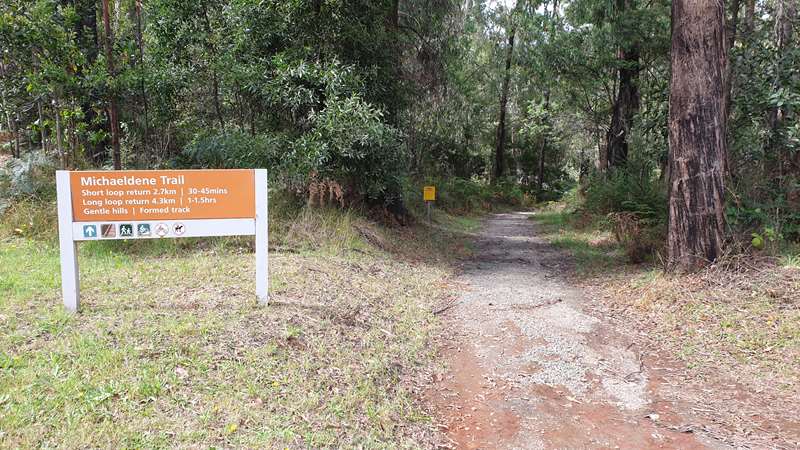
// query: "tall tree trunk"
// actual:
[[62, 157], [500, 143], [10, 126], [732, 25], [785, 15], [17, 149], [7, 109], [626, 104], [395, 14], [73, 141], [42, 131], [546, 118], [252, 117], [750, 17], [140, 63], [697, 145], [543, 146], [214, 77], [86, 39], [239, 102], [108, 44]]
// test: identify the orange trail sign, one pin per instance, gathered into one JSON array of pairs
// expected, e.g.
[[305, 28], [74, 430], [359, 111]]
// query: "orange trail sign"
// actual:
[[162, 194], [152, 204]]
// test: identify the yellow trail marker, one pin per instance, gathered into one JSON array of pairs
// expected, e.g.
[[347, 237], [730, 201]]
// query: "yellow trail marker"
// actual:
[[429, 193]]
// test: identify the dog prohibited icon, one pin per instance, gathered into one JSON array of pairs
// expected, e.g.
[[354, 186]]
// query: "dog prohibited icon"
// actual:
[[179, 229], [162, 230]]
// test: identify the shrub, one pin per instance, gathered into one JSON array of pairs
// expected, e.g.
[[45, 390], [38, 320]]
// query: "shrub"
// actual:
[[330, 135], [635, 202], [633, 189], [233, 150]]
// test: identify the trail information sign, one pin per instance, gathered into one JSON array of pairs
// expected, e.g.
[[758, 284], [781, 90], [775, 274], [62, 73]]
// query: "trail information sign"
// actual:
[[152, 204]]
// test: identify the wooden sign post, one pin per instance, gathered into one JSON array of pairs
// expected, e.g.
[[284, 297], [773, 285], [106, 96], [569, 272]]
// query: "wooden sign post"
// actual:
[[153, 204]]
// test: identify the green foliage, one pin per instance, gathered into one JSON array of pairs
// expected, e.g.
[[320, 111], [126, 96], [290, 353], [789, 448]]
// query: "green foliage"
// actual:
[[634, 189], [776, 213], [232, 150], [634, 201], [337, 136]]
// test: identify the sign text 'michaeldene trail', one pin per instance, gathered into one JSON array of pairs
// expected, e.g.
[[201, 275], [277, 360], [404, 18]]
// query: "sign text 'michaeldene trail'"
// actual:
[[131, 181]]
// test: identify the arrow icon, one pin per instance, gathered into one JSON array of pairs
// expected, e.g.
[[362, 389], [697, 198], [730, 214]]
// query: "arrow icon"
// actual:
[[89, 231]]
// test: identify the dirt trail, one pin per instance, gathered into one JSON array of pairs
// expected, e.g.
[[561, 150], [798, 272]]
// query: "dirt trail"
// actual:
[[531, 367]]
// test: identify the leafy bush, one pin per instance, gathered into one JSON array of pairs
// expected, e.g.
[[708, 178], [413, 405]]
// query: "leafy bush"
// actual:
[[330, 133], [635, 202], [766, 222], [352, 145], [633, 189], [462, 195], [233, 150]]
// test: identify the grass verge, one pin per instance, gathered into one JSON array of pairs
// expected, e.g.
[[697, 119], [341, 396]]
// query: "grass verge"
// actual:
[[742, 315], [170, 349], [593, 249]]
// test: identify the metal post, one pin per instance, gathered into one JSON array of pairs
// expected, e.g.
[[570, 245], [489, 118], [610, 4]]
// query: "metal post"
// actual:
[[68, 248], [262, 236], [428, 204]]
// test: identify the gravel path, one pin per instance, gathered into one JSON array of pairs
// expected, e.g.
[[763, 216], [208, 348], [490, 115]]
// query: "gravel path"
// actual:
[[531, 368]]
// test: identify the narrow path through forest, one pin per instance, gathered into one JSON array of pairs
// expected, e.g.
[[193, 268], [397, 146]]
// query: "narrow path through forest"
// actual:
[[531, 367]]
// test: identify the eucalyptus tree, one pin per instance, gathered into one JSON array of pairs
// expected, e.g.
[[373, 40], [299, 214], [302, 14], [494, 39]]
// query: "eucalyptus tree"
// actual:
[[511, 24], [697, 139]]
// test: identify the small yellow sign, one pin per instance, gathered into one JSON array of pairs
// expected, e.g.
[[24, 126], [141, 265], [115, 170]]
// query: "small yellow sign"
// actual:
[[429, 193]]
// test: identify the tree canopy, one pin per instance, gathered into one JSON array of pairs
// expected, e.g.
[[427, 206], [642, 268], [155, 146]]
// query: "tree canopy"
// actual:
[[540, 96]]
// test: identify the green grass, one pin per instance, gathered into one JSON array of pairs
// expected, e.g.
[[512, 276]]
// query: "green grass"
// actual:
[[790, 258], [170, 348], [593, 249]]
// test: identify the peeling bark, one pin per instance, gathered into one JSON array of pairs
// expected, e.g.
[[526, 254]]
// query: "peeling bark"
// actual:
[[697, 142]]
